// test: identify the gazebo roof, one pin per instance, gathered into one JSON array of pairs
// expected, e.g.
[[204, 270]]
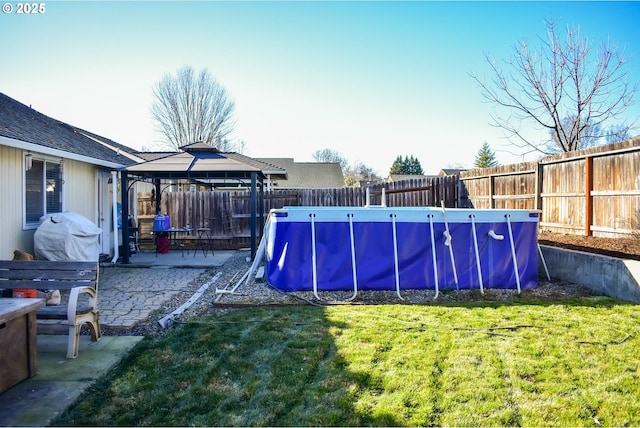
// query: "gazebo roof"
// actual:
[[202, 160]]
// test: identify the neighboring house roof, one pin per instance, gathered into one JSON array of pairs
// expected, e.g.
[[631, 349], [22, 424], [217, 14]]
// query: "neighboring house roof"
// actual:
[[304, 175], [451, 171], [20, 123]]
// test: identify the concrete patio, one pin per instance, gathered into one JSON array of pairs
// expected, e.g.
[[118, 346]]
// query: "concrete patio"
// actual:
[[128, 293], [177, 259]]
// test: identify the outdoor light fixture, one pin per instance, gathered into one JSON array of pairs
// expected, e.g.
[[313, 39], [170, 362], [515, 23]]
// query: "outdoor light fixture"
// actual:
[[28, 161]]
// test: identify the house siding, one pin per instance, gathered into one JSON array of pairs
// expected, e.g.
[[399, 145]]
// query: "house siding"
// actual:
[[79, 196], [80, 189], [11, 189]]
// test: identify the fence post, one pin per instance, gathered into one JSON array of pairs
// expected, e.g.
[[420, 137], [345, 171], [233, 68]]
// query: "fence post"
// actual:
[[537, 203], [588, 199], [492, 202]]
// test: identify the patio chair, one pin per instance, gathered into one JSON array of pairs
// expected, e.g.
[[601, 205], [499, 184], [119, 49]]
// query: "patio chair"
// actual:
[[204, 238]]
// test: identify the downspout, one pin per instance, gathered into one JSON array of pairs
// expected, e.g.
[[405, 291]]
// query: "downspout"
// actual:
[[114, 207]]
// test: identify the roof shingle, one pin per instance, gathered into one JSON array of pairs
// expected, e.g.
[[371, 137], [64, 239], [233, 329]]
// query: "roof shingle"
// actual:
[[23, 123]]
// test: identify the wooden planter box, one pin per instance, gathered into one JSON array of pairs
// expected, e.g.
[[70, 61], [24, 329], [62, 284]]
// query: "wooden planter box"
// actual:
[[19, 355]]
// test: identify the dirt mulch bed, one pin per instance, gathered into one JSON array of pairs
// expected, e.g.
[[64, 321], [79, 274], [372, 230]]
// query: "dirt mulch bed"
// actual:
[[615, 247]]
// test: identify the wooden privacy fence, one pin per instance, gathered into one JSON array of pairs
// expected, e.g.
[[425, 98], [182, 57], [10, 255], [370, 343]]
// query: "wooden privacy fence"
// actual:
[[587, 192], [228, 213]]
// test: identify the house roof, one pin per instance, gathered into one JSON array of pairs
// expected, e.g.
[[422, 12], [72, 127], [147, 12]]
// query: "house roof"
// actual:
[[201, 160], [301, 175], [149, 156], [451, 171], [20, 123]]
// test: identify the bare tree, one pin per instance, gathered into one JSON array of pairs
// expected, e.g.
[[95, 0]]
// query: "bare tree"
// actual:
[[329, 155], [353, 173], [358, 172], [618, 133], [190, 108], [239, 146], [561, 88]]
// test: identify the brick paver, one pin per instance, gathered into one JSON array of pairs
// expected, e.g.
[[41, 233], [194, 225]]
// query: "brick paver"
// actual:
[[127, 296]]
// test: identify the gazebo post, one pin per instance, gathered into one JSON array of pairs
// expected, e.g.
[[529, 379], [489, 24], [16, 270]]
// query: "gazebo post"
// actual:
[[124, 191], [261, 208], [254, 215], [156, 182]]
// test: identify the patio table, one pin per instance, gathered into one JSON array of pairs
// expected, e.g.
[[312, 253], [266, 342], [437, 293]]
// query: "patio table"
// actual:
[[173, 241]]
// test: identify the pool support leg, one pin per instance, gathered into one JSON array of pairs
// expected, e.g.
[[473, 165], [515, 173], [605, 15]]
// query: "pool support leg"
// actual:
[[448, 243], [353, 257], [314, 260], [513, 252], [544, 263], [475, 246], [433, 254], [395, 255]]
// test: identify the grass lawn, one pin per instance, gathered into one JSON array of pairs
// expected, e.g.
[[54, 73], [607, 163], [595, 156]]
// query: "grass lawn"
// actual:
[[518, 363]]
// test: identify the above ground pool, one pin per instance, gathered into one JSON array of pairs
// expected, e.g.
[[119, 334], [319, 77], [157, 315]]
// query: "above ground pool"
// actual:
[[381, 248]]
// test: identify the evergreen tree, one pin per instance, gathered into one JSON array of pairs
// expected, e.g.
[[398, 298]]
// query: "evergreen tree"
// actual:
[[410, 165], [398, 166], [485, 158]]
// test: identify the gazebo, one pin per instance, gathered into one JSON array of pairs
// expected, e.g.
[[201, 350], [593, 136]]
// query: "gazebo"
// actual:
[[202, 163]]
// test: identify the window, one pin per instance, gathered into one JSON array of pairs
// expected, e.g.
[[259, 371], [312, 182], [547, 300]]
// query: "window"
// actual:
[[42, 191]]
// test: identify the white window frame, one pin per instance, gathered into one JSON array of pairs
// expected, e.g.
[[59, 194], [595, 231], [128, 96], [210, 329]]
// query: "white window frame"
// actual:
[[29, 225]]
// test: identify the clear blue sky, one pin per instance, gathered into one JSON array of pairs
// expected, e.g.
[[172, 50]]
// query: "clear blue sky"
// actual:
[[370, 80]]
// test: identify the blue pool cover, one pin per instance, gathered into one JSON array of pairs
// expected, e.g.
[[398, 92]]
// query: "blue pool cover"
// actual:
[[331, 249]]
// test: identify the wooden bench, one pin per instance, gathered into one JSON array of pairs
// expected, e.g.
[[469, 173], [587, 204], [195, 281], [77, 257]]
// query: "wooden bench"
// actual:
[[80, 279]]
